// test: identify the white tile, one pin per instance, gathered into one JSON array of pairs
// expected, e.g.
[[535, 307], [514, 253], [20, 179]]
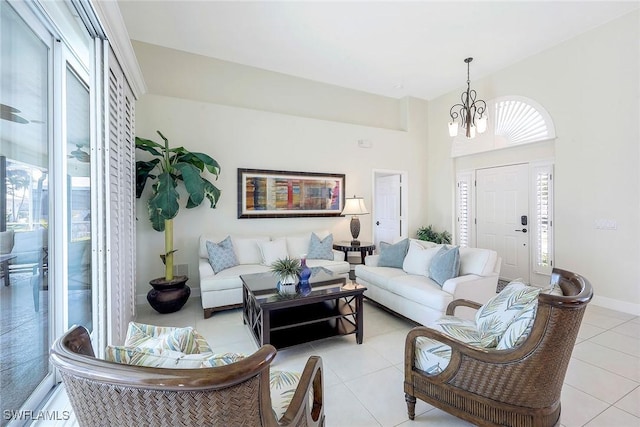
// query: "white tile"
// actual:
[[611, 360], [382, 323], [354, 361], [223, 333], [343, 409], [587, 331], [597, 382], [614, 417], [436, 417], [596, 309], [618, 341], [389, 345], [382, 393], [630, 403], [601, 320], [578, 407], [630, 329]]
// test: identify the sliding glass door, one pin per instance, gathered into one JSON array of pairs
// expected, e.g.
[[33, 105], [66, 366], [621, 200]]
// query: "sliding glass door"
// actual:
[[25, 68], [46, 167]]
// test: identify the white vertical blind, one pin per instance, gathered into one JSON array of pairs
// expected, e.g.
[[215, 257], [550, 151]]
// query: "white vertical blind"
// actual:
[[543, 193], [463, 208]]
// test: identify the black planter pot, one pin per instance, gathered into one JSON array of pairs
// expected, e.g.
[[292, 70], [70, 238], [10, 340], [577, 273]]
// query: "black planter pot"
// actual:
[[168, 296]]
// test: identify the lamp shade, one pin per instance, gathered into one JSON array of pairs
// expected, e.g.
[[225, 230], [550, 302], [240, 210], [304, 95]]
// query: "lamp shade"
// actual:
[[354, 206]]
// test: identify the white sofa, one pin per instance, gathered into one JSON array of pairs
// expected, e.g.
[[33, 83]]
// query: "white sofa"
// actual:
[[419, 298], [224, 290]]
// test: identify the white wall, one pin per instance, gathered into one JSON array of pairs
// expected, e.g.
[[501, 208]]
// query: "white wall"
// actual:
[[590, 86], [240, 137]]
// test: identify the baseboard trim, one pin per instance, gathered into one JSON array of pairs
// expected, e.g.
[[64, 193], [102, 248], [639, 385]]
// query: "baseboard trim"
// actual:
[[614, 304]]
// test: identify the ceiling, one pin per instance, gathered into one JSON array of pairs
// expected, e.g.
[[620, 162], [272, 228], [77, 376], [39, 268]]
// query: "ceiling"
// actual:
[[393, 48]]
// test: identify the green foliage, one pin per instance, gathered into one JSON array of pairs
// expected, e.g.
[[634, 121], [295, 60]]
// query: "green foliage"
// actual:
[[429, 234], [286, 267], [174, 166]]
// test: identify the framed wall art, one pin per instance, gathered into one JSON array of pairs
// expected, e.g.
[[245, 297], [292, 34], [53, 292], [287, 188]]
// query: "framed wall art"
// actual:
[[282, 194]]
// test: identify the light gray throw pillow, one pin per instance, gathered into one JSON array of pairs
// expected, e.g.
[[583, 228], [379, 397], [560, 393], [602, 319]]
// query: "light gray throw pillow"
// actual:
[[393, 255], [221, 255], [445, 264], [320, 249]]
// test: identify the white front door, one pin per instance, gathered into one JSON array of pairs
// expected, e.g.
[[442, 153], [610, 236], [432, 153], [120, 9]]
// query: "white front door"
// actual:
[[387, 209], [502, 216]]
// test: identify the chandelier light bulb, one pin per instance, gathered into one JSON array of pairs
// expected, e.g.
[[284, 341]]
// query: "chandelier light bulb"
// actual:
[[482, 124], [453, 129]]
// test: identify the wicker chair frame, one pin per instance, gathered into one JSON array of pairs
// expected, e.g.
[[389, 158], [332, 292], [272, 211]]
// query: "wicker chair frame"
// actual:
[[110, 394], [515, 387]]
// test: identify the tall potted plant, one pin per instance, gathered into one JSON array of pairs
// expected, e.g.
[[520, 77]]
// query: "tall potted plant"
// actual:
[[169, 168]]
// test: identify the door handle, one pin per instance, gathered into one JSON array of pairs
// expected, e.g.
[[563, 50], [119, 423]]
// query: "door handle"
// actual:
[[524, 230], [377, 222]]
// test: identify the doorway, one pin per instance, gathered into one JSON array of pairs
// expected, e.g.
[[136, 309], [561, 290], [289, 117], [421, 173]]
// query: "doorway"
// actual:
[[502, 212], [389, 206]]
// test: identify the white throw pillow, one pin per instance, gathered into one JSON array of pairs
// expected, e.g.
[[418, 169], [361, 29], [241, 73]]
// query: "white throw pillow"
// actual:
[[418, 259], [273, 251], [247, 249], [298, 245]]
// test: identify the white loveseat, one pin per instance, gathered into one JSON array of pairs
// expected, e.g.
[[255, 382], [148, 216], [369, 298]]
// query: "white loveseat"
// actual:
[[224, 290], [414, 295]]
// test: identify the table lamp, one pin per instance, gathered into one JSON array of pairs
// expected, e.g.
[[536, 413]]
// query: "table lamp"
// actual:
[[354, 206]]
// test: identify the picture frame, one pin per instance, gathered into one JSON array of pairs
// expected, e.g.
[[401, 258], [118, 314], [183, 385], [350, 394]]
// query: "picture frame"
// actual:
[[284, 194]]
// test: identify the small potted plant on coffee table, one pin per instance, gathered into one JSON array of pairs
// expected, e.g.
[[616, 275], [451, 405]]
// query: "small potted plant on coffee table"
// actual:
[[287, 271]]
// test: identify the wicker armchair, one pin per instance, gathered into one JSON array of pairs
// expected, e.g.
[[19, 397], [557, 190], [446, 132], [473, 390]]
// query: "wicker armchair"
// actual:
[[515, 387], [110, 394]]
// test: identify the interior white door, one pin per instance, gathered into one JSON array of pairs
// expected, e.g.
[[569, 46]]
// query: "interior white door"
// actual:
[[502, 217], [387, 209]]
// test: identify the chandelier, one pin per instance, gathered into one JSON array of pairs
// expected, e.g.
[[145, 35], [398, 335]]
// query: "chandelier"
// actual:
[[471, 113]]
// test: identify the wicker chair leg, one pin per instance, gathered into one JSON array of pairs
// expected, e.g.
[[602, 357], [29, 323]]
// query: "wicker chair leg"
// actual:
[[411, 405]]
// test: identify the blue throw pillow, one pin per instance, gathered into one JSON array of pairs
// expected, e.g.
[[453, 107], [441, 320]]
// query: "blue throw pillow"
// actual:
[[221, 255], [320, 249], [393, 255], [445, 264]]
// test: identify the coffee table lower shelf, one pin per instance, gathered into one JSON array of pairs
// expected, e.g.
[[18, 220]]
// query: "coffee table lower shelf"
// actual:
[[289, 326]]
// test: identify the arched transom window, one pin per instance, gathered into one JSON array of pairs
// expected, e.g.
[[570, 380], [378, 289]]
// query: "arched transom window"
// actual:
[[513, 120]]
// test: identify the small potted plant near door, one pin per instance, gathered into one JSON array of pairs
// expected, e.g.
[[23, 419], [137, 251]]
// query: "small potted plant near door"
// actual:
[[431, 235], [169, 168], [286, 270]]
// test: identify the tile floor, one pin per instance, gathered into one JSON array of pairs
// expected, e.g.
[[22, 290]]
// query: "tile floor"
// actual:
[[363, 383]]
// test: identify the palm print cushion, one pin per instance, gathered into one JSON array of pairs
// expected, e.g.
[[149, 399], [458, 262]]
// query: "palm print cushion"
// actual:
[[500, 329], [432, 356], [283, 385], [186, 340], [494, 317]]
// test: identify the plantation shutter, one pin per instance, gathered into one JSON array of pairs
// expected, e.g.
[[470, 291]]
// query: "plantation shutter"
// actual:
[[543, 182], [463, 209], [121, 232]]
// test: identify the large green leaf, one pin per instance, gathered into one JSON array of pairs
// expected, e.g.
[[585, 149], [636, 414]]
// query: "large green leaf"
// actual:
[[164, 204], [211, 165], [149, 146], [143, 172], [211, 192], [193, 182]]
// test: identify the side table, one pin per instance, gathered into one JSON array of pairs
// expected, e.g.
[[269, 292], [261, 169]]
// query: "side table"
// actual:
[[365, 248]]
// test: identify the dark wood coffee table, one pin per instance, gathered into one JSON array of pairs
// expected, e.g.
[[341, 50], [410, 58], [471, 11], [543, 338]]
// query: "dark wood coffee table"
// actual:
[[332, 308]]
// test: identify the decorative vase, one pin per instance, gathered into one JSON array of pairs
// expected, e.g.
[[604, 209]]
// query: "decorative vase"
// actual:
[[305, 273], [168, 296]]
